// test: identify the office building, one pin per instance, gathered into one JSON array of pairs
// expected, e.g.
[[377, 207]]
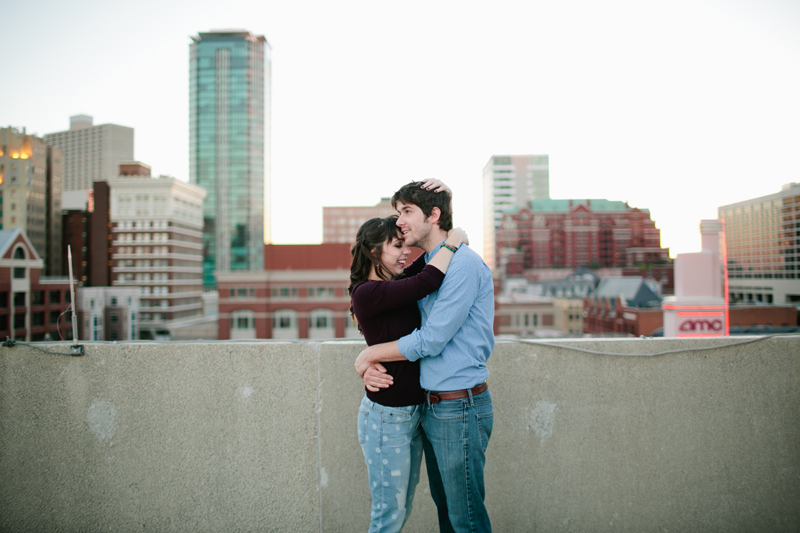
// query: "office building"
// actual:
[[300, 294], [340, 224], [155, 240], [576, 233], [510, 181], [229, 140], [762, 239], [30, 193], [90, 152]]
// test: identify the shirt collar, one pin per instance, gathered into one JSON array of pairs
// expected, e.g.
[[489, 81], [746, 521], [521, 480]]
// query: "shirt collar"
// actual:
[[436, 249]]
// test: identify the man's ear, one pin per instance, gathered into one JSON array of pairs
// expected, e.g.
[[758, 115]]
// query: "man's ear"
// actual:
[[435, 214]]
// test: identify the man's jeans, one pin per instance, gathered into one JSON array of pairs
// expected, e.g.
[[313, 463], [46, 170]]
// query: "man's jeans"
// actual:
[[391, 439], [456, 433]]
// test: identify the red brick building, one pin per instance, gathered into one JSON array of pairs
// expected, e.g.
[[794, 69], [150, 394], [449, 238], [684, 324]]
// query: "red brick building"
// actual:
[[340, 224], [300, 294], [31, 307], [623, 306], [574, 233]]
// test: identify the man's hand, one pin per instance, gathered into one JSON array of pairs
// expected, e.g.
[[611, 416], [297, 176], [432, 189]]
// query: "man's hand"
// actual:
[[376, 378], [377, 353]]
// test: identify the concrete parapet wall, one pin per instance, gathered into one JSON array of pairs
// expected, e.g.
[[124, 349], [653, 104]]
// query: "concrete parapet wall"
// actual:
[[261, 437]]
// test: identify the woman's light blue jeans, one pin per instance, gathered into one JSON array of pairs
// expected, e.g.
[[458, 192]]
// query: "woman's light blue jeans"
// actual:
[[391, 440]]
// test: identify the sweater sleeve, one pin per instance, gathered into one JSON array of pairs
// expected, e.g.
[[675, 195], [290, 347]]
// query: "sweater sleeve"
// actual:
[[415, 267], [381, 296]]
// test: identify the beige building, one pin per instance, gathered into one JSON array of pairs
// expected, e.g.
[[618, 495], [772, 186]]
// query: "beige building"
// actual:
[[762, 237], [91, 152], [521, 313], [510, 181], [340, 224], [569, 316], [30, 193], [108, 313], [156, 235]]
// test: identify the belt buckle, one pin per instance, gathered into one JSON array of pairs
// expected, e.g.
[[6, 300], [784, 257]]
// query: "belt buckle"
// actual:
[[432, 397]]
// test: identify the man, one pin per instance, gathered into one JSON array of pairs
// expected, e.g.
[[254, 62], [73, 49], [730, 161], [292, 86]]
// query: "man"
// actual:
[[453, 344]]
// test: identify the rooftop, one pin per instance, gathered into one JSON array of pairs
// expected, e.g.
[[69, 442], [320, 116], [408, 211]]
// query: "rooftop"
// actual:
[[588, 435]]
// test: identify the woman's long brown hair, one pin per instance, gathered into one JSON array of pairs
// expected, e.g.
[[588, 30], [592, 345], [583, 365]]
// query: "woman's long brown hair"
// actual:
[[366, 251]]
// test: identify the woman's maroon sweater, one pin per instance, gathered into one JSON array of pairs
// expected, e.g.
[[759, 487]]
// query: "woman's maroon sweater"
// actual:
[[386, 311]]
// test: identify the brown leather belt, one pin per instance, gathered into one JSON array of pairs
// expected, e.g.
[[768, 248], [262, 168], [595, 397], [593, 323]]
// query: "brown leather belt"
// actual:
[[436, 397]]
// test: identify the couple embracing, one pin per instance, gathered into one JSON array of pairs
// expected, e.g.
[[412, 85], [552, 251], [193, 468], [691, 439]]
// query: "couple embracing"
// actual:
[[428, 327]]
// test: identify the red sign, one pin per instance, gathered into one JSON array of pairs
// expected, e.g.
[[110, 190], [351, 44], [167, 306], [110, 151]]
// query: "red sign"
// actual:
[[702, 325]]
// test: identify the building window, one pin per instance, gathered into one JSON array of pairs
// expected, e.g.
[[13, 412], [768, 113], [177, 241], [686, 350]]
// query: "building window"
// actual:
[[320, 323], [19, 272], [19, 321], [284, 319], [37, 298], [55, 297], [19, 299], [37, 319]]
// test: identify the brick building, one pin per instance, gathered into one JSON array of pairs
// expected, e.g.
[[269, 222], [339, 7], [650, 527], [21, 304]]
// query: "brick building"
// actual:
[[32, 308], [300, 294], [340, 224], [574, 233], [623, 306]]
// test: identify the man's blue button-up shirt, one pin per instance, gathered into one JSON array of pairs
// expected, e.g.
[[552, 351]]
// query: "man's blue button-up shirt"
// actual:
[[456, 336]]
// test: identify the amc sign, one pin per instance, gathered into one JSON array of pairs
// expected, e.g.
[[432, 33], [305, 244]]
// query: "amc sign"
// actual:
[[700, 324]]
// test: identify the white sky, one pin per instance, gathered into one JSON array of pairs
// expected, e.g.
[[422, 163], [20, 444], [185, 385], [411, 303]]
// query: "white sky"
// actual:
[[678, 106]]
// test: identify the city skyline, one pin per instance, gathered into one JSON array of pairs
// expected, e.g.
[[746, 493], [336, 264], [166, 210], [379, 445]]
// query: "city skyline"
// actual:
[[677, 109]]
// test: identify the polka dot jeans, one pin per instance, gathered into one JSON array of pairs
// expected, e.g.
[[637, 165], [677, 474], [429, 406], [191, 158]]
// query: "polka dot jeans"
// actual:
[[391, 440]]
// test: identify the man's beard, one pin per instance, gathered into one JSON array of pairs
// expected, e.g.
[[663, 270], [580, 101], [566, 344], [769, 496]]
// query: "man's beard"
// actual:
[[423, 236]]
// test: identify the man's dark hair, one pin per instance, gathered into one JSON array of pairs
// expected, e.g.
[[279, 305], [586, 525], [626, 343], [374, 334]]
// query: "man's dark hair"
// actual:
[[411, 193]]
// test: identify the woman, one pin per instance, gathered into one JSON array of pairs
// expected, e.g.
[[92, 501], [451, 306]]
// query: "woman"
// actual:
[[384, 298]]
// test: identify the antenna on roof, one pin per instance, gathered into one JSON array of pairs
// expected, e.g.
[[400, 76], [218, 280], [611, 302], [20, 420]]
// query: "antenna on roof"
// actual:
[[75, 349]]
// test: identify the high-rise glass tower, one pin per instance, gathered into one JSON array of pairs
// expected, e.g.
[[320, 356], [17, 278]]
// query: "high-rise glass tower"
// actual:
[[229, 85]]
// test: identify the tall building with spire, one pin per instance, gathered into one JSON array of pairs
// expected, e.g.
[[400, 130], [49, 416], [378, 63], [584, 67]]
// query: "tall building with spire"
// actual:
[[229, 139]]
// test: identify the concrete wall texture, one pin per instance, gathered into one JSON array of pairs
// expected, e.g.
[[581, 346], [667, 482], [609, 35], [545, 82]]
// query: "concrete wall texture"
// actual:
[[261, 437]]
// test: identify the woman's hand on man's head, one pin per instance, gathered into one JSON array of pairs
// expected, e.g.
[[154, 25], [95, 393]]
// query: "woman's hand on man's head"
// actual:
[[435, 185]]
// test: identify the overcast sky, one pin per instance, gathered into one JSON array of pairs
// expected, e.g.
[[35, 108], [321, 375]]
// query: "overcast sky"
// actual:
[[678, 106]]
